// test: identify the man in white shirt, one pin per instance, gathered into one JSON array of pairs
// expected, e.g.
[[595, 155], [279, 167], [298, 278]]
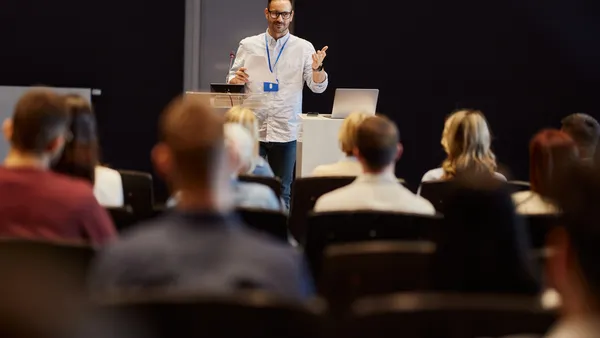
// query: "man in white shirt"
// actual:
[[294, 62], [378, 148]]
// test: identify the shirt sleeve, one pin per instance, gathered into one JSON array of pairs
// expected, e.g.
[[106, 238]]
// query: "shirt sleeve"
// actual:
[[308, 73], [96, 223], [240, 60]]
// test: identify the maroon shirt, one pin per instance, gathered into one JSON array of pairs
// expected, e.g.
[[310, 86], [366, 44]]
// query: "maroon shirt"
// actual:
[[37, 204]]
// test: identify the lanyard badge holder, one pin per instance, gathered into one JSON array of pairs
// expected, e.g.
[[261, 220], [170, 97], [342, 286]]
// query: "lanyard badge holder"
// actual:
[[270, 87]]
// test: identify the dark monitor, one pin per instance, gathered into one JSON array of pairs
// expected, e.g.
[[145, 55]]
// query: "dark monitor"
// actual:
[[227, 88]]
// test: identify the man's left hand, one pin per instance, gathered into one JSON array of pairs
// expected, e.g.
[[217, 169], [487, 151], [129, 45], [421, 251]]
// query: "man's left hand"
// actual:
[[318, 58]]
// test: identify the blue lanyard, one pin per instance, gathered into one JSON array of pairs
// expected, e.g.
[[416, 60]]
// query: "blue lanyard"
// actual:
[[278, 56]]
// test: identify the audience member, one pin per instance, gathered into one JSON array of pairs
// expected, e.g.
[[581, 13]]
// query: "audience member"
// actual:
[[349, 165], [378, 148], [585, 131], [80, 157], [239, 146], [548, 150], [200, 245], [573, 268], [466, 140], [246, 118], [37, 203], [486, 248]]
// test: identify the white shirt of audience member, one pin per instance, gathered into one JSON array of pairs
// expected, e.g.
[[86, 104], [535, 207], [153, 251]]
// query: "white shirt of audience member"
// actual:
[[348, 166], [378, 192], [438, 173], [532, 203], [108, 187]]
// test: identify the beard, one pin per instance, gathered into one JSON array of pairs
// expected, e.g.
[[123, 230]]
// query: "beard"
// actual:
[[279, 28]]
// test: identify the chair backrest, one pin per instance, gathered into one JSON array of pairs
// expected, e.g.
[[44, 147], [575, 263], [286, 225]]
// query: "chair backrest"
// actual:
[[437, 192], [305, 193], [361, 269], [251, 315], [273, 223], [539, 227], [123, 217], [447, 315], [272, 182], [346, 227], [138, 192], [43, 288]]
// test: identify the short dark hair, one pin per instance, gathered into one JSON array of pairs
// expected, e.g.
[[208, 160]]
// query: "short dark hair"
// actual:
[[377, 141], [583, 129], [81, 154], [39, 117], [269, 3], [193, 132]]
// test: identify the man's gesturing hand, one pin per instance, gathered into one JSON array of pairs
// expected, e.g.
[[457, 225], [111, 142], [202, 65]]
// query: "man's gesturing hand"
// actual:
[[318, 58], [241, 77]]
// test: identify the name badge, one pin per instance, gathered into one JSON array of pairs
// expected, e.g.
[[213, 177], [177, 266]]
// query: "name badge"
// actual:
[[271, 87]]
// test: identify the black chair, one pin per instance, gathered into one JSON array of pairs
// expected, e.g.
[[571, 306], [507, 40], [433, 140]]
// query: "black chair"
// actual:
[[123, 217], [446, 315], [249, 315], [346, 227], [305, 192], [539, 227], [351, 271], [43, 287], [273, 223], [272, 182], [138, 193], [437, 192]]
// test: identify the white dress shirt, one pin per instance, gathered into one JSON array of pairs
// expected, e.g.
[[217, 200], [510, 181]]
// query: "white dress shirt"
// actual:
[[438, 173], [532, 203], [348, 166], [108, 187], [381, 192], [279, 121]]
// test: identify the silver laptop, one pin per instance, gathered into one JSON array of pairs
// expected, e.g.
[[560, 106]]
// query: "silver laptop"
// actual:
[[348, 101]]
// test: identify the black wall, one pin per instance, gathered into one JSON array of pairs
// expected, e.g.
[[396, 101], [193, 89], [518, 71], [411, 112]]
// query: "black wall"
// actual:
[[132, 50], [525, 63]]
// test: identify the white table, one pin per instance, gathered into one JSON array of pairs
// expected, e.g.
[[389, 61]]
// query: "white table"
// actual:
[[317, 143]]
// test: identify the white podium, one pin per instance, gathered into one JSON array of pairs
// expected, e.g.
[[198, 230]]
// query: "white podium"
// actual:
[[317, 143], [222, 102]]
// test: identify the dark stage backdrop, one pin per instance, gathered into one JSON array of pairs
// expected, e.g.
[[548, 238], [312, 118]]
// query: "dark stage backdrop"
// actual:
[[524, 63], [132, 50]]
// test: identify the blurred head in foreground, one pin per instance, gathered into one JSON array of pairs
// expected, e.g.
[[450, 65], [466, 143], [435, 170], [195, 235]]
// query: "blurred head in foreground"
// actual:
[[378, 144], [572, 268], [487, 249], [467, 140], [585, 131], [37, 130], [80, 155], [191, 154]]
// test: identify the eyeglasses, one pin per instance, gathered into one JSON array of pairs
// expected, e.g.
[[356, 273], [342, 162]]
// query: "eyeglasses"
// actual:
[[284, 15]]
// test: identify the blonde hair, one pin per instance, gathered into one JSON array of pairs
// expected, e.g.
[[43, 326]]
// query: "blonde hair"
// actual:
[[466, 139], [347, 134], [246, 118]]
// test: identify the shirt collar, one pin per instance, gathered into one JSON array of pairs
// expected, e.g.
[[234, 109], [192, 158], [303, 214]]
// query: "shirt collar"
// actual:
[[385, 177], [272, 40], [349, 158]]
